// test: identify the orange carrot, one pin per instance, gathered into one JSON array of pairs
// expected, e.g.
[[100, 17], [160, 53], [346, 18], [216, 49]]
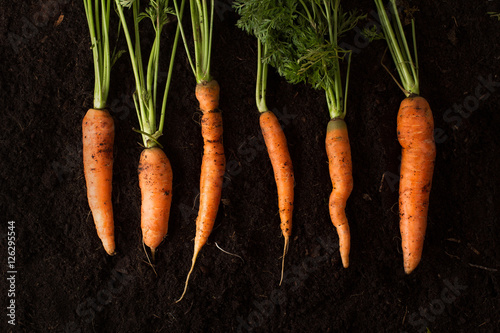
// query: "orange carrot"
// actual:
[[339, 160], [415, 127], [98, 131], [212, 167], [277, 149], [155, 181], [155, 172], [416, 137]]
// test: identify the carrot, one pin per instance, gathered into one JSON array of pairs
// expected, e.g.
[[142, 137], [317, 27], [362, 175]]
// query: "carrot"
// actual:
[[340, 165], [277, 149], [213, 162], [212, 167], [98, 131], [154, 170], [415, 127], [253, 14], [155, 181], [207, 93], [416, 136]]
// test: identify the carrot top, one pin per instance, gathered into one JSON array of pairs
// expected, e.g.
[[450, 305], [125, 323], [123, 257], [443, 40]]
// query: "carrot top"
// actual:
[[261, 86], [202, 24], [262, 19], [302, 42], [145, 96], [398, 46], [97, 13]]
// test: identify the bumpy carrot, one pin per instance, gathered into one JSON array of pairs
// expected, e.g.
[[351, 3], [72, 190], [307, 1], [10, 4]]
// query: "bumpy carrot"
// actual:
[[416, 136], [98, 131], [339, 159], [155, 181], [277, 149], [212, 167]]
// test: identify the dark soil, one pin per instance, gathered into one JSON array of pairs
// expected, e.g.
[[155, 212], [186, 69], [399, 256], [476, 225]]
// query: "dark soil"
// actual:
[[66, 283]]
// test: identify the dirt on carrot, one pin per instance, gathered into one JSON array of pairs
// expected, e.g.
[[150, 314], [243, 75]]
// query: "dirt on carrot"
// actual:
[[277, 149], [415, 127], [212, 167], [339, 160], [98, 131], [155, 181]]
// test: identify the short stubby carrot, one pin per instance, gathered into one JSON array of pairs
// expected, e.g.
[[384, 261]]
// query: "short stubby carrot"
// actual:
[[415, 127], [339, 160], [212, 167], [155, 181], [98, 131], [281, 161]]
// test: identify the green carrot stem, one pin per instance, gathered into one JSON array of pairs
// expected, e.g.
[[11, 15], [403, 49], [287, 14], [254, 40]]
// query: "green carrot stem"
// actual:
[[179, 14], [260, 87], [97, 14], [171, 68], [202, 25], [398, 46], [145, 96]]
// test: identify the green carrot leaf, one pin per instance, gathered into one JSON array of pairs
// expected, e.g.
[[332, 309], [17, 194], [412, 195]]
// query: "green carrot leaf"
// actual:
[[302, 41]]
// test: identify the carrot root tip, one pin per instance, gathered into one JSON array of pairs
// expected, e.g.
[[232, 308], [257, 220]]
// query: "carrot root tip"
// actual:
[[188, 276], [285, 251], [186, 284], [410, 267], [345, 262], [110, 250]]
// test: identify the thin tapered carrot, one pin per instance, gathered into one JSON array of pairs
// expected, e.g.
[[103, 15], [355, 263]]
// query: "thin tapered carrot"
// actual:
[[212, 167], [155, 181], [207, 93], [416, 136], [277, 149], [339, 160], [98, 131]]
